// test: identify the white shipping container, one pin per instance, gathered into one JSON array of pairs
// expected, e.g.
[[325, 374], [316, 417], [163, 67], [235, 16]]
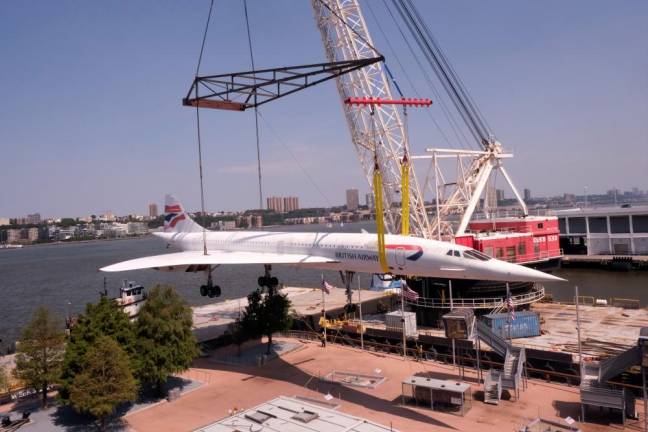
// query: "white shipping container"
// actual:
[[393, 322]]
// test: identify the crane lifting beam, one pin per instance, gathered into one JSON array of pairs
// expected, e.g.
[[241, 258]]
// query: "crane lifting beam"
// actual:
[[242, 90], [411, 102]]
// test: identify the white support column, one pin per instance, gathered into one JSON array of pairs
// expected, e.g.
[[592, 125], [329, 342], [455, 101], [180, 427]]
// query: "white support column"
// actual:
[[609, 234], [632, 246], [525, 210], [474, 199]]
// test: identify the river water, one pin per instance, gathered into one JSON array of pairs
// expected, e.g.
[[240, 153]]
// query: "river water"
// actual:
[[64, 278]]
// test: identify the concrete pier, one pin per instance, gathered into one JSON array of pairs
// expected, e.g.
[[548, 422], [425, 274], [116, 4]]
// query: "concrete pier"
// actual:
[[211, 321]]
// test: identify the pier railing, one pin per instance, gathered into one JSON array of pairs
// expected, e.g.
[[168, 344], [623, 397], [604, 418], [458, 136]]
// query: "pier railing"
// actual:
[[480, 302]]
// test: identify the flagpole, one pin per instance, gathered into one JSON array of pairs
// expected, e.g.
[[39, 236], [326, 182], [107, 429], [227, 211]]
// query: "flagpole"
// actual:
[[403, 319], [360, 307], [454, 356], [509, 304], [323, 311]]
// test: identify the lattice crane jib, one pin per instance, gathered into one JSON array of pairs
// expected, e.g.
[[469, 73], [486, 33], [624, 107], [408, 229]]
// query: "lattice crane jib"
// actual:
[[345, 37]]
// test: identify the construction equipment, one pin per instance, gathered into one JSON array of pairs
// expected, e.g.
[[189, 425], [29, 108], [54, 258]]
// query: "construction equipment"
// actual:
[[346, 37]]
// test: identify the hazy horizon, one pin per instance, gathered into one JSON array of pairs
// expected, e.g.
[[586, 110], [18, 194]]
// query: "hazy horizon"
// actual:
[[91, 117]]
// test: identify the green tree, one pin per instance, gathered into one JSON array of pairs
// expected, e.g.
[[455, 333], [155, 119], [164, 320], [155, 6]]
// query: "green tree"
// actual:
[[276, 315], [40, 352], [4, 380], [165, 343], [104, 318], [266, 315], [105, 381]]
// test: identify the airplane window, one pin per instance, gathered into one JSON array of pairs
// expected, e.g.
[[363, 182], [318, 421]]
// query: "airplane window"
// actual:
[[449, 252], [457, 253], [474, 254]]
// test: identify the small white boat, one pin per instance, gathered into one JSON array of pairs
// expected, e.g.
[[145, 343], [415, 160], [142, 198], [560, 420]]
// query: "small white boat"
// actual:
[[132, 297]]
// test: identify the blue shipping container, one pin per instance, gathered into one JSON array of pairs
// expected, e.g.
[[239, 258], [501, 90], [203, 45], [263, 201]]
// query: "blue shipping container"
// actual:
[[525, 324]]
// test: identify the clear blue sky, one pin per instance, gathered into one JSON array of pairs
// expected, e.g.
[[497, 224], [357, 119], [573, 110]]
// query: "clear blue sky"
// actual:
[[91, 119]]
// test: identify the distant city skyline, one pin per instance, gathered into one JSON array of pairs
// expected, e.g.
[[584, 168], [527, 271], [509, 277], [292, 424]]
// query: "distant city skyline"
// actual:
[[290, 203], [563, 85]]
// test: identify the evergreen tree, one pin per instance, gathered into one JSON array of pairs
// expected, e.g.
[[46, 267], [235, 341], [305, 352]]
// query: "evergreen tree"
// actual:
[[104, 382], [164, 341], [4, 380], [276, 315], [265, 315], [253, 314], [105, 318], [40, 352]]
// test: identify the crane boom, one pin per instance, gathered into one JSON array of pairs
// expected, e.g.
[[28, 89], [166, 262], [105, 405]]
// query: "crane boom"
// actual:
[[379, 132]]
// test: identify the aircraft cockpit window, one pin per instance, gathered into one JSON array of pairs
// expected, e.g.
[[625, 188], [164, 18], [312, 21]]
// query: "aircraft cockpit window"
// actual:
[[449, 252], [457, 253], [473, 254]]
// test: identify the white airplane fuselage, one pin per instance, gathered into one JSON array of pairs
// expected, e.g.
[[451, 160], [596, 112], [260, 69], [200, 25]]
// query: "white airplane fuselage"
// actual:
[[358, 252]]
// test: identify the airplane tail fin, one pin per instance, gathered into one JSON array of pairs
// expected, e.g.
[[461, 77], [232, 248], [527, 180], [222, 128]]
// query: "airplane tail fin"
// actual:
[[176, 219]]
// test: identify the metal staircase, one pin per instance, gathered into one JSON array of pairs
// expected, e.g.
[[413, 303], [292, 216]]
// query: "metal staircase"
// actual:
[[510, 377], [594, 389]]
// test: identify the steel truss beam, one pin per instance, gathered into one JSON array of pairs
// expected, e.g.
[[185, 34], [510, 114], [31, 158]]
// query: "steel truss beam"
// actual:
[[381, 134], [242, 90]]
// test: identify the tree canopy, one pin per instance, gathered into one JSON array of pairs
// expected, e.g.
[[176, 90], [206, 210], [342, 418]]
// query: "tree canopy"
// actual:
[[105, 380], [265, 315], [4, 379], [40, 352], [165, 343], [105, 318]]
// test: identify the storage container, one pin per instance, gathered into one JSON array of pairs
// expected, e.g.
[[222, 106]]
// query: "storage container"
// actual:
[[525, 324], [393, 323]]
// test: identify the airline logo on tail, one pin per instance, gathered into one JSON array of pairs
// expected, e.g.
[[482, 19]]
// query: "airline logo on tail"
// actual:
[[173, 214]]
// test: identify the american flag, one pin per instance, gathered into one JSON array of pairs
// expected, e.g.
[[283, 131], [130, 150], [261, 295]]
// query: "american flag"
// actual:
[[510, 307], [326, 287], [408, 293]]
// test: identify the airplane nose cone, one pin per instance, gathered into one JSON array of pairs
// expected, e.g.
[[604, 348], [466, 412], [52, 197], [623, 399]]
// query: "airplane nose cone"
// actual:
[[520, 273]]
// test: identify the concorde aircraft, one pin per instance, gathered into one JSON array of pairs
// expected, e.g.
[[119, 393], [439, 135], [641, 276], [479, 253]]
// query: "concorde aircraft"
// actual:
[[203, 250]]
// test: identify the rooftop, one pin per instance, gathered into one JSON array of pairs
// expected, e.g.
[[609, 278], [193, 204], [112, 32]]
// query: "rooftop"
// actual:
[[603, 211], [286, 414]]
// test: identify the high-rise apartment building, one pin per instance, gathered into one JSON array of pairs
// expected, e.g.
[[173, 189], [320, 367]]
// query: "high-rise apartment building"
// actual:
[[369, 200], [291, 204], [153, 211], [276, 204], [282, 204], [527, 194], [352, 199]]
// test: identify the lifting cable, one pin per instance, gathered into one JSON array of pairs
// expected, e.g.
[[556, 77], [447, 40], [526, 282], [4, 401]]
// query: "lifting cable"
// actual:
[[377, 187], [200, 166], [343, 21], [458, 132], [407, 76], [290, 152], [449, 79], [256, 109]]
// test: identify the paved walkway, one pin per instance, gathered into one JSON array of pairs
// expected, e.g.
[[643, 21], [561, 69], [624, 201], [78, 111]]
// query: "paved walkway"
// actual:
[[227, 387]]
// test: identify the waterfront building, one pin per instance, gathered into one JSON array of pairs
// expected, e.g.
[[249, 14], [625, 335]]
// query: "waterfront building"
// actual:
[[499, 194], [291, 204], [527, 194], [153, 210], [352, 199], [13, 235], [604, 230], [136, 228], [223, 225], [275, 204], [369, 201], [107, 217]]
